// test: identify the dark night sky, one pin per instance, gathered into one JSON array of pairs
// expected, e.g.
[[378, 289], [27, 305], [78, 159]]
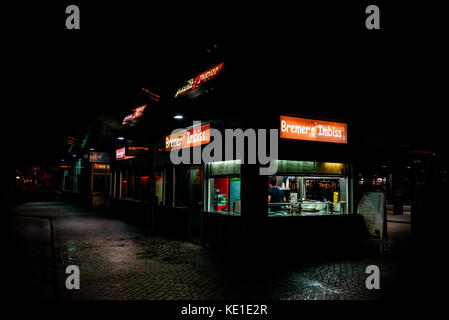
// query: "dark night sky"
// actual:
[[57, 79], [313, 59]]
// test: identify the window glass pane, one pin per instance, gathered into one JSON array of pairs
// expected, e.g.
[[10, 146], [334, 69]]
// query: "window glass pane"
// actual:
[[130, 192], [108, 184], [169, 187], [117, 184], [181, 184], [68, 183], [224, 195], [145, 187], [78, 180], [306, 195], [160, 187], [196, 188], [99, 183], [124, 184], [188, 187]]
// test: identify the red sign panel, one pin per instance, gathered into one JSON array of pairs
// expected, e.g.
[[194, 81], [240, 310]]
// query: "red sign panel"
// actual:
[[138, 112], [207, 75], [188, 138], [313, 130], [120, 154]]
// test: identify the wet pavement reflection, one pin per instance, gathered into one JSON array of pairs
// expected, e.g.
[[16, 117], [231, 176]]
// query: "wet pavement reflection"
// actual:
[[121, 261]]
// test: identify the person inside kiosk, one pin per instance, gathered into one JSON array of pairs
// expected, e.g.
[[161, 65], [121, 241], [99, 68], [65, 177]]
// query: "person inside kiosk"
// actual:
[[275, 196], [307, 195]]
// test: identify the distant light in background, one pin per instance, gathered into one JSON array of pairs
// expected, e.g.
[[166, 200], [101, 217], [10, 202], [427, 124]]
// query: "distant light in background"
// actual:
[[92, 149], [178, 117], [121, 138]]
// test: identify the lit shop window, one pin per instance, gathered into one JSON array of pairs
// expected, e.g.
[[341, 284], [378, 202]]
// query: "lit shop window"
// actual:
[[295, 195], [225, 195], [77, 176], [308, 188], [224, 188], [68, 181]]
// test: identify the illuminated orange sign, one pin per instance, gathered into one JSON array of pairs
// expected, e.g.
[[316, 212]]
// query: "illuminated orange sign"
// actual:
[[101, 166], [204, 77], [188, 138], [313, 130], [186, 89], [138, 112], [208, 75], [120, 154], [152, 95]]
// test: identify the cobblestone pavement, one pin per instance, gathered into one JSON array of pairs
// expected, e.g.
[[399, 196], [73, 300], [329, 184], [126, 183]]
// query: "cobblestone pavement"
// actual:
[[31, 269], [121, 261]]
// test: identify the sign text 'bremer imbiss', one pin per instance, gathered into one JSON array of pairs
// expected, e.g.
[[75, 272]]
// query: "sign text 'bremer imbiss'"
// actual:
[[313, 130], [188, 138]]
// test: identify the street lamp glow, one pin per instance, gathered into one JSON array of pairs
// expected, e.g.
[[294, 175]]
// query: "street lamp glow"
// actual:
[[121, 138], [178, 117]]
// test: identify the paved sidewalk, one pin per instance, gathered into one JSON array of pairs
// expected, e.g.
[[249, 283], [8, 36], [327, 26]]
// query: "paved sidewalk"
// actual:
[[399, 231], [403, 218], [30, 269], [120, 261]]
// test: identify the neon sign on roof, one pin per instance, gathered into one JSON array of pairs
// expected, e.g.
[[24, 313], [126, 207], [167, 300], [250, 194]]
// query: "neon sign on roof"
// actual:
[[200, 79], [138, 112]]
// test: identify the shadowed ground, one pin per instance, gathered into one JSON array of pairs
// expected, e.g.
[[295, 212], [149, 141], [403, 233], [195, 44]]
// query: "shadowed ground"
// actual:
[[121, 261]]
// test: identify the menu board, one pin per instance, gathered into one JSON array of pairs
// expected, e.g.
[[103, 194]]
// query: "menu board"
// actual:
[[372, 209]]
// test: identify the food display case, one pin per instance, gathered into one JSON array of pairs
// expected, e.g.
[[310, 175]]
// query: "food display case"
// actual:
[[305, 208]]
